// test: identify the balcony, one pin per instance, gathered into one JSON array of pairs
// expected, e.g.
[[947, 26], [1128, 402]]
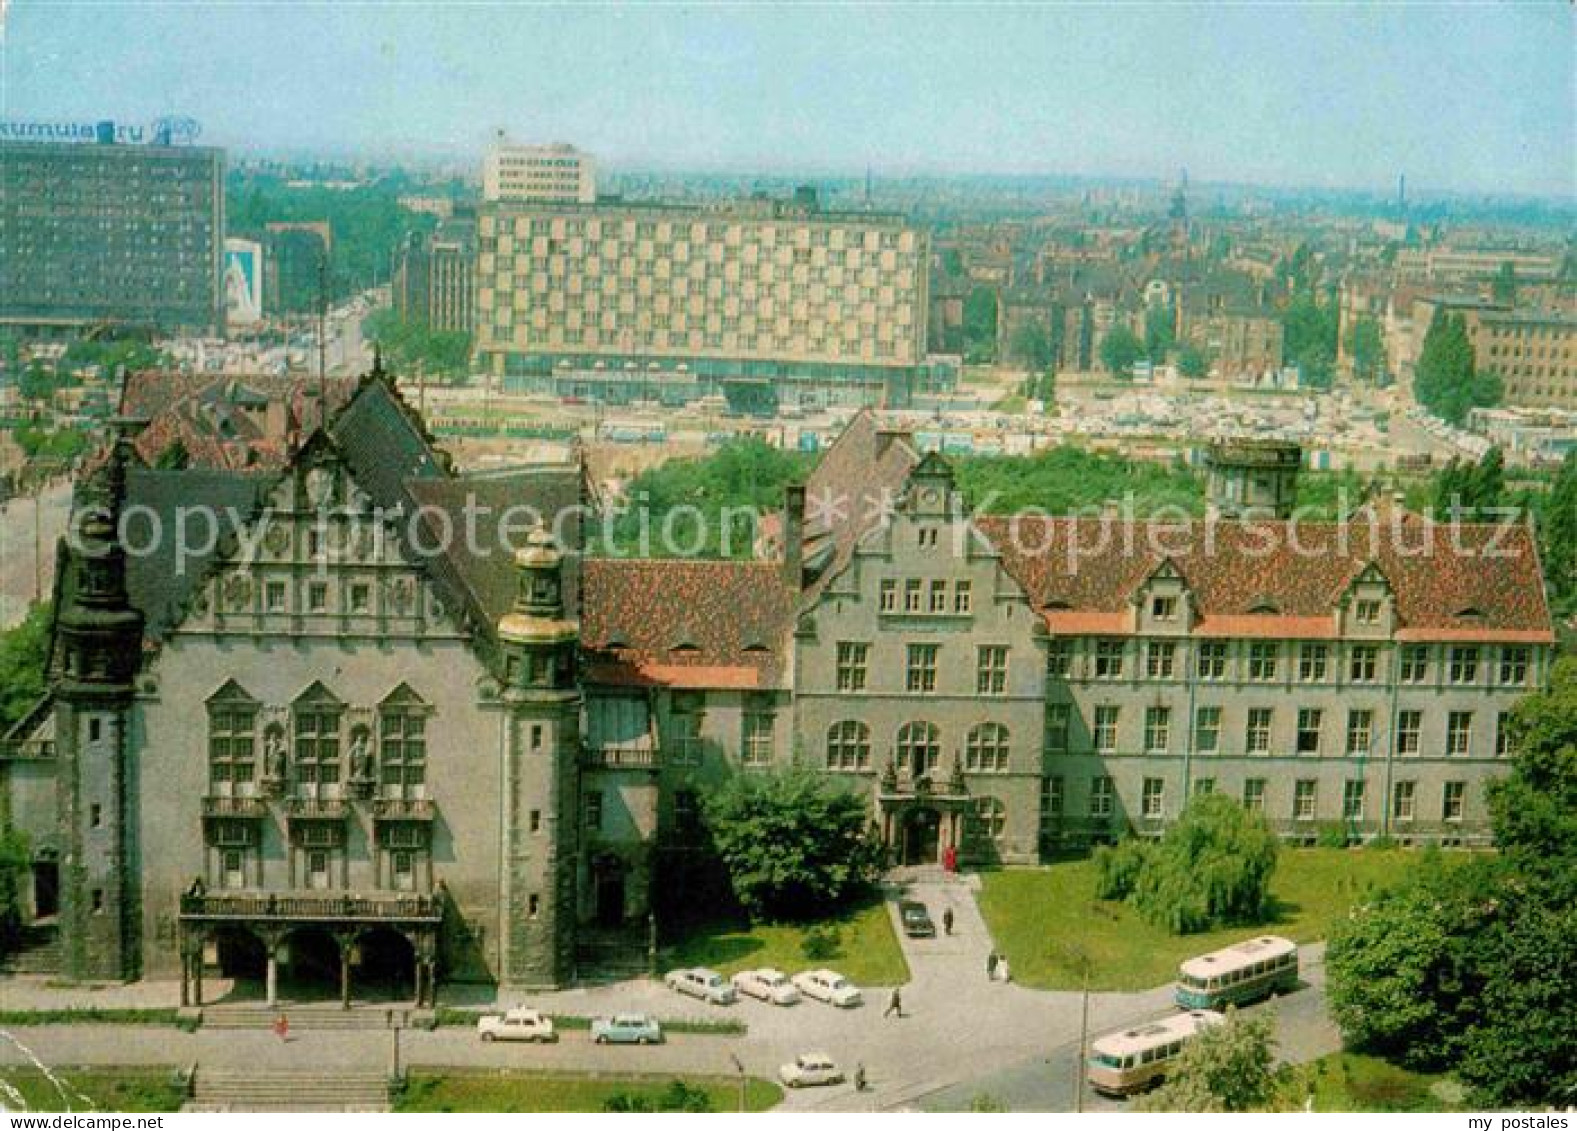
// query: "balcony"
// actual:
[[317, 808], [404, 809], [620, 758], [246, 808], [295, 908]]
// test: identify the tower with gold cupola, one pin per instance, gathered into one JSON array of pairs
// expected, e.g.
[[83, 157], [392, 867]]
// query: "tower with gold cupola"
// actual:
[[542, 702]]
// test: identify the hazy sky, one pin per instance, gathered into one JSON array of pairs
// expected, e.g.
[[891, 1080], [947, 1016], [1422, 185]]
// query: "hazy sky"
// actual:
[[1470, 96]]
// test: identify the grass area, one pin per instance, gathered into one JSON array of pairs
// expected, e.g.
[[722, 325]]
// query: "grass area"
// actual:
[[1347, 1081], [104, 1089], [1042, 917], [536, 1091], [569, 1022], [867, 953]]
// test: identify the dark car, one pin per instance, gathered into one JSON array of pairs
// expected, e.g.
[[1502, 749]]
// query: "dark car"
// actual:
[[916, 920]]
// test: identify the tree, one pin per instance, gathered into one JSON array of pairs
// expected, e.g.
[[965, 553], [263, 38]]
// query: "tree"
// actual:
[[1534, 808], [1030, 345], [1192, 362], [1445, 380], [1159, 333], [24, 650], [1366, 347], [1469, 490], [15, 862], [795, 845], [1560, 536], [980, 324], [1309, 331], [1120, 349], [1211, 868], [1229, 1066]]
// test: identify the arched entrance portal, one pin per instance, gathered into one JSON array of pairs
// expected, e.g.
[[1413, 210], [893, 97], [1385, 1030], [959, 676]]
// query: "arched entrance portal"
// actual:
[[240, 955], [921, 836], [383, 966], [310, 965]]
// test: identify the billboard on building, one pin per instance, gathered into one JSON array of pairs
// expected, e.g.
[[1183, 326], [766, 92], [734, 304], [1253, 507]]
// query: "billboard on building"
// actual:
[[243, 282]]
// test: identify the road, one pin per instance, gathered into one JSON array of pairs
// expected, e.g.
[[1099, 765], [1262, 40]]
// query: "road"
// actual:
[[22, 574]]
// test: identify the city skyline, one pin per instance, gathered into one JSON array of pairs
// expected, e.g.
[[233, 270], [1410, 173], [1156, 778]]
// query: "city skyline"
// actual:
[[1460, 98]]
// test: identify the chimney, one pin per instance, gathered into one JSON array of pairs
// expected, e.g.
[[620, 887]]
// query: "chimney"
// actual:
[[794, 535]]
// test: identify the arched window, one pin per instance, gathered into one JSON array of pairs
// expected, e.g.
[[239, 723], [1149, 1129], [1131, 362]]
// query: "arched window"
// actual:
[[986, 749], [232, 736], [988, 818], [919, 747], [402, 738], [316, 720], [848, 746]]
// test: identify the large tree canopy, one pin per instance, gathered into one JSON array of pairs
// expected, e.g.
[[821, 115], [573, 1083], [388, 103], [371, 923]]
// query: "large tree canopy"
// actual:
[[1446, 381]]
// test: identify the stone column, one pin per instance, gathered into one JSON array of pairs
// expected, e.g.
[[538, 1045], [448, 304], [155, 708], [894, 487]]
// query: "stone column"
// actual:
[[344, 975], [186, 976], [197, 977], [271, 996]]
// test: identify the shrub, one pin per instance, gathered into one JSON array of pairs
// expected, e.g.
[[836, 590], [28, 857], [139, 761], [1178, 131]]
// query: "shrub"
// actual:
[[821, 943]]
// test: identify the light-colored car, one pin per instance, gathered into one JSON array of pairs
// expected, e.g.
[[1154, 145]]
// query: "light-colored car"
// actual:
[[627, 1029], [698, 981], [767, 984], [828, 986], [809, 1069], [517, 1025]]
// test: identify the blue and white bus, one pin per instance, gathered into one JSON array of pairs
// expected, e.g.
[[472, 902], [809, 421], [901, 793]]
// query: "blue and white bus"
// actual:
[[1245, 971]]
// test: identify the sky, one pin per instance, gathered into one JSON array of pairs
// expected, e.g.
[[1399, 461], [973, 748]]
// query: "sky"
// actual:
[[1475, 98]]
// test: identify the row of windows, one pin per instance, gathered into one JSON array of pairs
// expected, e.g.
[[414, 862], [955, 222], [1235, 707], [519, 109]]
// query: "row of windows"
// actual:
[[936, 596], [1305, 798], [917, 747]]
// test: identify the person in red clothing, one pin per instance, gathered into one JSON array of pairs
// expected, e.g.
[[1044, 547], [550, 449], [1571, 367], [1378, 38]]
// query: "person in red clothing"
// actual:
[[282, 1027], [950, 859]]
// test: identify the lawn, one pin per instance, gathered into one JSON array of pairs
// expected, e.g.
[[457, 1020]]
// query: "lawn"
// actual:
[[1041, 918], [88, 1089], [1346, 1081], [867, 953], [535, 1091]]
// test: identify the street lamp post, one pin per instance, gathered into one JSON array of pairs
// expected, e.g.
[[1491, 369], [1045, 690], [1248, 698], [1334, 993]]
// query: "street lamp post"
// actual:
[[739, 1067]]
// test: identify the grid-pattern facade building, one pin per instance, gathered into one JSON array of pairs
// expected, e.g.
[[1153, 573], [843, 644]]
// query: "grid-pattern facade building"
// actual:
[[1534, 355], [766, 290], [539, 172], [129, 233]]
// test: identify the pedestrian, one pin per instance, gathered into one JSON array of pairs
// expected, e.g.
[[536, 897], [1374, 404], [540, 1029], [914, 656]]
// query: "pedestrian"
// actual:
[[947, 921], [859, 1077], [894, 1004], [991, 966], [282, 1028], [1003, 971]]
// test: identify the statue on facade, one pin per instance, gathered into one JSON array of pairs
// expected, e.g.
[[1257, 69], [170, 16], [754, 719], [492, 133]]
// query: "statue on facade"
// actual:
[[360, 757], [274, 758]]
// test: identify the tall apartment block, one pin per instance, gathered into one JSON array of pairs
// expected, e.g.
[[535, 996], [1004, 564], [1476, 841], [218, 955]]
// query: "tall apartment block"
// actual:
[[557, 172], [110, 232], [435, 278]]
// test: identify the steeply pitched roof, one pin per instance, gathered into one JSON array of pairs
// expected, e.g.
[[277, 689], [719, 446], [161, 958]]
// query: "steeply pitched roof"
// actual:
[[1459, 582], [852, 488], [716, 624]]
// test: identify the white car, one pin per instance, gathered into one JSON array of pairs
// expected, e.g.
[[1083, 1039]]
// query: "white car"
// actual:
[[767, 984], [828, 986], [708, 985], [809, 1069], [517, 1025]]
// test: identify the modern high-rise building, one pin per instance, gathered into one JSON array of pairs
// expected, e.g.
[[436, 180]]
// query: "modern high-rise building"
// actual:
[[557, 172], [99, 231], [435, 277], [775, 295]]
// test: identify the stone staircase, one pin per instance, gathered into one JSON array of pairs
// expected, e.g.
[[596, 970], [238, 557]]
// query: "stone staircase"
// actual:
[[37, 952], [219, 1090], [313, 1018]]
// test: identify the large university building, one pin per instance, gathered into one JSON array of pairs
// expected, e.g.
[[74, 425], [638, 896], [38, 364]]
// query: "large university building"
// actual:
[[110, 232], [679, 301], [393, 728]]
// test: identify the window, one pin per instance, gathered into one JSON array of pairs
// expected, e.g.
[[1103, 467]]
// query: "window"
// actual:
[[1502, 735], [1311, 662], [1254, 795], [1367, 612], [1360, 731], [991, 670], [535, 820], [1309, 719], [1212, 661], [1163, 608], [889, 595], [1415, 663], [1105, 729], [317, 596], [232, 748], [1459, 732], [848, 746], [1102, 795], [360, 597], [1464, 665], [911, 595], [852, 659], [317, 718], [963, 597], [1409, 724], [318, 869], [593, 808], [1203, 786], [986, 748], [1514, 666], [1059, 658], [1451, 802], [1059, 719], [938, 596], [1159, 659], [1363, 663], [919, 746], [274, 596], [1152, 798], [988, 818], [756, 743], [1256, 739], [1108, 659], [1352, 800], [922, 667], [1402, 800], [1051, 798], [1207, 729], [1157, 729], [1303, 793], [402, 732], [1262, 662]]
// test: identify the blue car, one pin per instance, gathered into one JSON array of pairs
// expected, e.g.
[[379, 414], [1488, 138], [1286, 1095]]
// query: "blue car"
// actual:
[[627, 1029]]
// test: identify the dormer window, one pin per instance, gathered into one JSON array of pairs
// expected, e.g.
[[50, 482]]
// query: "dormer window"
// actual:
[[1367, 612], [1163, 608]]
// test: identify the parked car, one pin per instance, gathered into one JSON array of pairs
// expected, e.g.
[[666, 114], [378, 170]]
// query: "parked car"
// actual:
[[767, 984], [626, 1029], [517, 1025], [809, 1069], [828, 986], [916, 919], [708, 985]]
